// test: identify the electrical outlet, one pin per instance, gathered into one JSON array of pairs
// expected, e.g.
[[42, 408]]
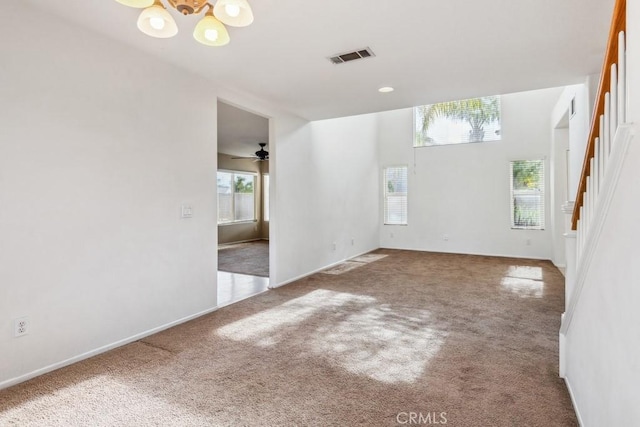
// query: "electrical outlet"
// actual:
[[186, 211], [334, 246], [353, 241], [20, 327], [528, 242], [445, 237]]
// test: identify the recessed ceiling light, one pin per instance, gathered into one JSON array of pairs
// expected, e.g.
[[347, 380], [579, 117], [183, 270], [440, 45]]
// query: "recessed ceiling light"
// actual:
[[385, 89]]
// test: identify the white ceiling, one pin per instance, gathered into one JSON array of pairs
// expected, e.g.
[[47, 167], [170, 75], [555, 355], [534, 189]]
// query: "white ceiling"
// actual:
[[239, 131], [429, 51]]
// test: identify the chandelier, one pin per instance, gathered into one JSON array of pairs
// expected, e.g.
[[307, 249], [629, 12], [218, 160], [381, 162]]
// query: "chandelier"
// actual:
[[156, 21]]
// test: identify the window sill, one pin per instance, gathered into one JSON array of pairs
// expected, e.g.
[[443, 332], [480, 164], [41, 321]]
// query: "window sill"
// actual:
[[223, 224]]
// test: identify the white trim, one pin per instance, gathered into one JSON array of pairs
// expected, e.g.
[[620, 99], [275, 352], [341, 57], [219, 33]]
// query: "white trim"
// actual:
[[619, 149], [302, 276], [468, 253], [254, 173], [573, 402], [241, 241], [25, 377], [240, 222]]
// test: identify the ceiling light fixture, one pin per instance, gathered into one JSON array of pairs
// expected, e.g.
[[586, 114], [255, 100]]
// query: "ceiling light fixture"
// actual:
[[385, 89], [156, 21]]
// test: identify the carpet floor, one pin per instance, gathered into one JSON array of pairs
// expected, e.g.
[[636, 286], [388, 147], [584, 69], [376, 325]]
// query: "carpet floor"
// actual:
[[458, 339], [250, 258]]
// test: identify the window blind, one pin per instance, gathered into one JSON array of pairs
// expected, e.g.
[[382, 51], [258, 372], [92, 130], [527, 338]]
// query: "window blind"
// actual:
[[395, 195], [527, 194], [265, 196], [236, 197]]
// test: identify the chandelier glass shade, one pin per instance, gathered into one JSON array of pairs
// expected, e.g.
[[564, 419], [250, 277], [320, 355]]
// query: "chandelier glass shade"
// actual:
[[211, 32], [156, 21], [235, 13], [136, 3]]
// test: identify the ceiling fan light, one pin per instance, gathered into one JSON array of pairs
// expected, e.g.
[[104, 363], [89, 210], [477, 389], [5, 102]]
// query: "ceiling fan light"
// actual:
[[236, 13], [211, 32], [155, 21], [140, 4]]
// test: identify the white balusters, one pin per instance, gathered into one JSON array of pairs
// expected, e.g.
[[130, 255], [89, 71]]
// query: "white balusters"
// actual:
[[614, 115], [622, 79], [613, 109], [606, 140]]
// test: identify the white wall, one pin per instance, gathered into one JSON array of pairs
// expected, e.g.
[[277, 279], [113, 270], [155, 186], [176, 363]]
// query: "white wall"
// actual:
[[327, 193], [578, 127], [463, 190], [603, 343], [559, 193], [94, 166]]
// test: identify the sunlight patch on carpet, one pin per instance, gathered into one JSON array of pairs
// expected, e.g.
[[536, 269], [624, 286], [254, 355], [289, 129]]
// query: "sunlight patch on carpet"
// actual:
[[267, 327], [343, 267], [381, 344], [524, 281], [367, 258], [353, 263], [353, 332]]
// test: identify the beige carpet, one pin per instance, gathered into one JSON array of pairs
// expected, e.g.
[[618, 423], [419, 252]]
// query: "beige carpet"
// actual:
[[250, 258], [471, 339]]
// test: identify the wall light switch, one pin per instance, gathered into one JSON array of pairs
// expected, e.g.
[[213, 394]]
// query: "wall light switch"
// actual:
[[187, 211]]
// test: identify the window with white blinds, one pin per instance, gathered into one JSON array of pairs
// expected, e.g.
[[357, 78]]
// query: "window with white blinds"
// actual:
[[265, 196], [236, 197], [395, 195], [527, 194], [457, 122]]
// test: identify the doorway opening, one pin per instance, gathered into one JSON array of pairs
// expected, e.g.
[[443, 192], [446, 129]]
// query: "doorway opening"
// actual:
[[243, 204]]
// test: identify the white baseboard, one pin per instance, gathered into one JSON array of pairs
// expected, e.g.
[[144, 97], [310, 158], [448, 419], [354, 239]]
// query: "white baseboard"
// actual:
[[573, 402], [500, 255], [257, 239], [13, 381]]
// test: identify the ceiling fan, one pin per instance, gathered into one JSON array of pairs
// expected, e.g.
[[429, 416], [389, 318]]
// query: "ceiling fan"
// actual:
[[260, 155]]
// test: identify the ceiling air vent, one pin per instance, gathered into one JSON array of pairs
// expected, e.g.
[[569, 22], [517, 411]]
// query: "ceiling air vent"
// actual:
[[351, 56]]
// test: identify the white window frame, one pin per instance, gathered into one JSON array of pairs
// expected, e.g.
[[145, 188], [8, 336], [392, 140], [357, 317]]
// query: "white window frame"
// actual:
[[539, 193], [447, 124], [234, 221], [404, 220], [266, 184]]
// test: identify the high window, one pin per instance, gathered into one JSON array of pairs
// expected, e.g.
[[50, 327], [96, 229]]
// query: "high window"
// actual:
[[457, 122], [395, 195], [236, 197], [527, 194]]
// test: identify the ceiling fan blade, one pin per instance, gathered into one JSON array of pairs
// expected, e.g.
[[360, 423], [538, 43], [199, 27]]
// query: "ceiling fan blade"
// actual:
[[237, 158]]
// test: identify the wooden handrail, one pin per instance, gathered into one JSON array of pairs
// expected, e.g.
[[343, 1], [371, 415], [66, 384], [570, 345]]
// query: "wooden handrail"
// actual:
[[618, 23]]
